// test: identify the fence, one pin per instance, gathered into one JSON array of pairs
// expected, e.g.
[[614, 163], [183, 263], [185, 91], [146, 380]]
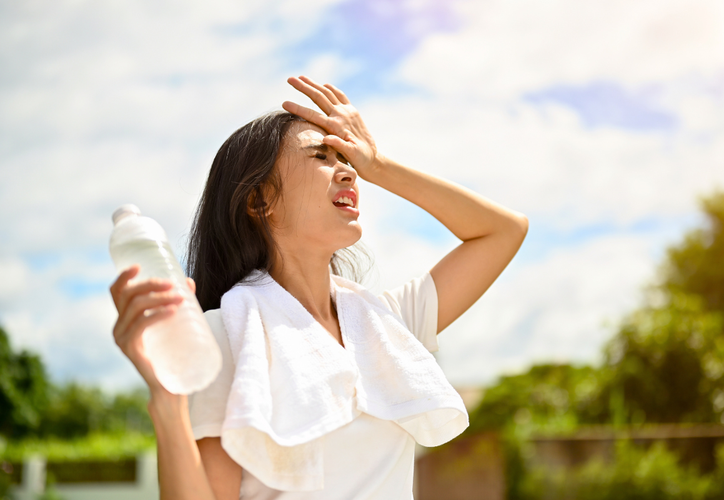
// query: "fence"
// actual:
[[465, 469], [695, 444], [135, 478]]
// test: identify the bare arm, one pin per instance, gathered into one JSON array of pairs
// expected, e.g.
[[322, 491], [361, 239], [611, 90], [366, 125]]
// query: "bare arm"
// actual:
[[182, 472], [491, 234], [187, 470], [224, 474]]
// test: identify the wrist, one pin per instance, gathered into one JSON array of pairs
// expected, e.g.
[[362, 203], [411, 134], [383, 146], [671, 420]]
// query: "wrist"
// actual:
[[377, 169], [163, 405]]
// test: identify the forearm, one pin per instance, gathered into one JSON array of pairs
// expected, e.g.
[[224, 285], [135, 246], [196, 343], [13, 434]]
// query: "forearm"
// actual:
[[466, 214], [181, 473]]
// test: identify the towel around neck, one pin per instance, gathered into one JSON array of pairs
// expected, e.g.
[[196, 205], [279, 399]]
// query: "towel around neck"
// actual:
[[294, 383]]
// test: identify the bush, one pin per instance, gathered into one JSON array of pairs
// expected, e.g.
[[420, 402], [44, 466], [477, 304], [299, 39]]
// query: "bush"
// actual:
[[636, 474], [94, 446], [23, 390], [5, 482]]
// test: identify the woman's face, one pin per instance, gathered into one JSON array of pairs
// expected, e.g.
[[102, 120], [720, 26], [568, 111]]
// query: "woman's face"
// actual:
[[318, 206]]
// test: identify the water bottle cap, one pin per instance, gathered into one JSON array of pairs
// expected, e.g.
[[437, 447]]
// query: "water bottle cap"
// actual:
[[124, 211]]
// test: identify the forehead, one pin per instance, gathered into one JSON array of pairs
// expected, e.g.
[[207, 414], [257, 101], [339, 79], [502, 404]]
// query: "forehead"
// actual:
[[303, 134]]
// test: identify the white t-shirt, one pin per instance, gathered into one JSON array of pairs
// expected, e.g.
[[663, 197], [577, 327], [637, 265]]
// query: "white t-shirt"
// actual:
[[367, 459]]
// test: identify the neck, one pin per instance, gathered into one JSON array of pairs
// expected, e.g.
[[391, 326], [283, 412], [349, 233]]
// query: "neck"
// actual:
[[306, 277]]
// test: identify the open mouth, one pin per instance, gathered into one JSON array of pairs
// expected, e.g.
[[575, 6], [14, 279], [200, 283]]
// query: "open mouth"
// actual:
[[345, 199], [344, 202]]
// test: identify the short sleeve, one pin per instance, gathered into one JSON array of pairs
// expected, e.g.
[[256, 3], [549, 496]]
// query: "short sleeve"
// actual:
[[207, 407], [416, 303]]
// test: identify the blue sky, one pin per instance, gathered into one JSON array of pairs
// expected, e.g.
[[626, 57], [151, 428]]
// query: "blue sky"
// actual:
[[607, 104], [603, 122]]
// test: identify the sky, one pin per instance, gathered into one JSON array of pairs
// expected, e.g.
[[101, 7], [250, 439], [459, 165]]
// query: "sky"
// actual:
[[602, 121]]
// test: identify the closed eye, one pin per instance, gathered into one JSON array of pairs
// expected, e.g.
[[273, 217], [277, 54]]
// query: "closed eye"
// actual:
[[321, 150]]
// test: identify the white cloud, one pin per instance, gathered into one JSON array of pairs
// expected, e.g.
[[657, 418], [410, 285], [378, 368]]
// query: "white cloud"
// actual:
[[556, 309], [508, 48], [544, 163], [13, 284]]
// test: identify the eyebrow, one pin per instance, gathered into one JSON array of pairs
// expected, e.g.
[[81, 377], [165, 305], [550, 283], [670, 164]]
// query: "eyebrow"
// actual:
[[321, 147]]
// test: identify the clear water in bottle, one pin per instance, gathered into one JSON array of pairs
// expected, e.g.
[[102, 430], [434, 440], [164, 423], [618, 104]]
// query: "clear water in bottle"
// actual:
[[182, 349]]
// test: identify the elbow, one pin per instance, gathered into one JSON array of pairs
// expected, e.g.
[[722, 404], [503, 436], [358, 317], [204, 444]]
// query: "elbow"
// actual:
[[523, 221], [520, 225]]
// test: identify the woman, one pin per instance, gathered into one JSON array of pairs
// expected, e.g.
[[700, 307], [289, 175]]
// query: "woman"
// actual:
[[281, 200]]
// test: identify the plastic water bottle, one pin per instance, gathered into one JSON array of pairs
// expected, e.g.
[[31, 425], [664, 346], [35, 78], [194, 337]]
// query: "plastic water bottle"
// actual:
[[181, 348]]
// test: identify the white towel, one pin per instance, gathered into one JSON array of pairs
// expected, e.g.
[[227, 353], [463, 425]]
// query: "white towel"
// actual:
[[294, 383]]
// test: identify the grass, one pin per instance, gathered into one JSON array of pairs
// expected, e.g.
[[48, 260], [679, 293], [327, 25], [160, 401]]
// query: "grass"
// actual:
[[93, 446]]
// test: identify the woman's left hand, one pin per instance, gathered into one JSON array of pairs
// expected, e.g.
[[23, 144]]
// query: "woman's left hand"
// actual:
[[348, 134]]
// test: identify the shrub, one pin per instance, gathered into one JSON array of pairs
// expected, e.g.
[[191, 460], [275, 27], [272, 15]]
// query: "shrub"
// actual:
[[636, 474]]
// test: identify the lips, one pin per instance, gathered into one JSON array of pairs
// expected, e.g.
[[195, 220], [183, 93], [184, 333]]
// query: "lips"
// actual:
[[345, 198]]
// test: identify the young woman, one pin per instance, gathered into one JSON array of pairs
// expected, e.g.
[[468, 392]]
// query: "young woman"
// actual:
[[325, 388]]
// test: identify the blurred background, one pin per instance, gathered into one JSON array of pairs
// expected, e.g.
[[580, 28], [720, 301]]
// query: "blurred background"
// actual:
[[602, 121]]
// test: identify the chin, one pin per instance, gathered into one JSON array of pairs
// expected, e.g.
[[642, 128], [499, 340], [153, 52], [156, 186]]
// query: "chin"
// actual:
[[353, 235]]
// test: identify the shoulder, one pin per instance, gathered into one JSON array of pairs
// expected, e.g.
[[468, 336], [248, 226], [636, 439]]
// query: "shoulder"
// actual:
[[418, 291], [213, 318], [417, 304], [253, 287]]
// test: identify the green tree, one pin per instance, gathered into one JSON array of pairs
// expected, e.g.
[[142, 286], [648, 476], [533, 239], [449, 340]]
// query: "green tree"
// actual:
[[547, 395], [73, 411], [666, 364], [23, 390], [128, 412], [636, 474], [696, 265]]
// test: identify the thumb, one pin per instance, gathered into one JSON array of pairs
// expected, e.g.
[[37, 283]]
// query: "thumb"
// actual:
[[191, 284]]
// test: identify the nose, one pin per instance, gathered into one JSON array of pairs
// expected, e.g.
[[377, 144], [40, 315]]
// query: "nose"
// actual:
[[345, 174]]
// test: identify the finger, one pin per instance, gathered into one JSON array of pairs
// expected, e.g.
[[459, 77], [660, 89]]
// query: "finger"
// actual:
[[343, 146], [154, 285], [315, 95], [331, 97], [341, 96], [131, 290], [143, 365], [191, 284], [308, 114], [132, 334], [142, 305], [123, 279]]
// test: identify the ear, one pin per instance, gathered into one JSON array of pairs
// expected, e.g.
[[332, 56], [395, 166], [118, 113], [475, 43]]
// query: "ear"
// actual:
[[258, 205]]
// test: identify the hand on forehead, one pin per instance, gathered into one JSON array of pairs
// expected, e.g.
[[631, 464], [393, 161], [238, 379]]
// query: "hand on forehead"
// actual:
[[303, 136]]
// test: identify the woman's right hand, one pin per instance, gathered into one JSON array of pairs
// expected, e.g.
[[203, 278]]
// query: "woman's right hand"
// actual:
[[141, 304]]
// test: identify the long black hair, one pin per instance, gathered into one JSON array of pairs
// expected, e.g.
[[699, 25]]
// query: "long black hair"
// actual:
[[231, 234]]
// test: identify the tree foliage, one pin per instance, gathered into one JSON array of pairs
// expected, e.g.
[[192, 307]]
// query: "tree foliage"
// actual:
[[666, 364], [23, 390], [75, 411], [635, 474], [696, 265], [32, 406], [550, 395]]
